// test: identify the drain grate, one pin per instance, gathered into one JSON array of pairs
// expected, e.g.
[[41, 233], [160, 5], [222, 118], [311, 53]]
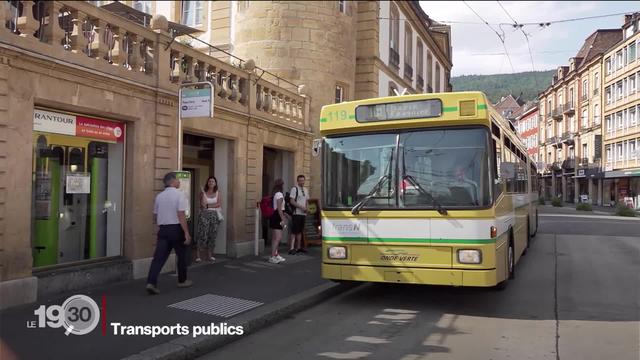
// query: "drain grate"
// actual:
[[216, 305]]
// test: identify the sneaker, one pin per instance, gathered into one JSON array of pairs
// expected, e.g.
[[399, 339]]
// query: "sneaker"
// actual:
[[212, 259], [198, 260], [185, 284], [152, 290], [273, 260], [292, 252], [302, 251], [280, 258]]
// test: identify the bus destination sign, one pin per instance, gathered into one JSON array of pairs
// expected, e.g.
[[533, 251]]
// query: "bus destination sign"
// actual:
[[399, 111]]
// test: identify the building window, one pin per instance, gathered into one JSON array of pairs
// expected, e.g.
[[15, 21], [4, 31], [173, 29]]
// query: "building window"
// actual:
[[619, 91], [609, 154], [339, 94], [609, 122], [619, 60], [438, 80], [632, 149], [596, 114], [619, 151], [596, 83], [633, 116], [419, 65], [408, 51], [342, 6], [585, 118], [585, 89], [144, 6], [192, 13], [607, 93], [632, 84], [243, 5], [631, 57], [394, 32], [77, 188], [585, 151], [619, 120], [393, 89], [609, 66], [429, 72]]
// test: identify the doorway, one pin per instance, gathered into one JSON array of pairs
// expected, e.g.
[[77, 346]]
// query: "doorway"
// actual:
[[204, 157], [276, 164]]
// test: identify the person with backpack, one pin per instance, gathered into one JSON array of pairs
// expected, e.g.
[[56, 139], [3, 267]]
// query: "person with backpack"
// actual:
[[299, 201], [278, 221]]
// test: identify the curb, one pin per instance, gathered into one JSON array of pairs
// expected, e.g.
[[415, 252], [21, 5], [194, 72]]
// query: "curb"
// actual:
[[188, 347], [592, 216]]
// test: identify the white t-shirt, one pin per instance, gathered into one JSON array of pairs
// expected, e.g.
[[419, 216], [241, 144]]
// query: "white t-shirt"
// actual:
[[167, 205], [277, 196], [303, 196]]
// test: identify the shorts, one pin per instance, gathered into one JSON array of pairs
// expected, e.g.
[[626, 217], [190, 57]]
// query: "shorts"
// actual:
[[274, 221], [298, 224]]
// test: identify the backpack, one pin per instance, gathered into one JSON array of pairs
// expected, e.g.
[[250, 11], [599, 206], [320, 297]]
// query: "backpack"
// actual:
[[266, 206], [288, 209]]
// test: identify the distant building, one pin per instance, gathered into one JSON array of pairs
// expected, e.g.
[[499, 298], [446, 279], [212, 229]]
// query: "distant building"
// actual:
[[510, 107], [527, 126]]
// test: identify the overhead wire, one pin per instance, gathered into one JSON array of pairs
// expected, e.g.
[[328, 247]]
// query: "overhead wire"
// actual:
[[526, 37]]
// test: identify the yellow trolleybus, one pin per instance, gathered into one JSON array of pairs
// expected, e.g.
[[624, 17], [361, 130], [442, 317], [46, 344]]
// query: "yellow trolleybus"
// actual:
[[424, 189]]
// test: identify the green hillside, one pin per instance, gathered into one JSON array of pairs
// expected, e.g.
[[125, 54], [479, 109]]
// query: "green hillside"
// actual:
[[498, 85]]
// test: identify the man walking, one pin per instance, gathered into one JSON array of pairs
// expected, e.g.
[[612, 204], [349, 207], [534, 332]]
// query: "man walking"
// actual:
[[169, 213], [300, 202]]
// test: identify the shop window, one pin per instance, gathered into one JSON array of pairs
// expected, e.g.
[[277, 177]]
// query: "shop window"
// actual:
[[77, 188]]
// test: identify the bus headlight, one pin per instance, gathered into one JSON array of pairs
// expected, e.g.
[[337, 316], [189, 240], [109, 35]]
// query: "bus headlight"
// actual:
[[469, 256], [337, 252]]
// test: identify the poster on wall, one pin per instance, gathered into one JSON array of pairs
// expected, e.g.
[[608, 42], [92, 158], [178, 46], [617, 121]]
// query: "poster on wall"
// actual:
[[185, 186], [43, 195], [78, 183]]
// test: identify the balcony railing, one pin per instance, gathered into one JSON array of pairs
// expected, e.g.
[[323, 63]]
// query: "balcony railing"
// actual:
[[569, 164], [408, 71], [429, 89], [80, 34], [596, 91], [557, 165], [420, 81], [568, 137], [557, 113], [569, 108], [585, 97], [583, 163], [394, 58]]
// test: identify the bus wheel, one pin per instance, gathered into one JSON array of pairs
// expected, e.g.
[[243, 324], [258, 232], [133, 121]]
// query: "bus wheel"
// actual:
[[510, 267], [511, 261]]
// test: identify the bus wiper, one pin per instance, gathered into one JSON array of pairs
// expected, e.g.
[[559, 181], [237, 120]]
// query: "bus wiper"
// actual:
[[356, 209], [438, 206]]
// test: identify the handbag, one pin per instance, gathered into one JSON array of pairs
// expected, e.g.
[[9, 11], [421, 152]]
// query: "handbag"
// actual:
[[219, 212]]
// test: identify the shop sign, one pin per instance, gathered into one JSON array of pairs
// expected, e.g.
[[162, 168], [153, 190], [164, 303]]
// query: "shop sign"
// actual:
[[58, 123], [78, 183]]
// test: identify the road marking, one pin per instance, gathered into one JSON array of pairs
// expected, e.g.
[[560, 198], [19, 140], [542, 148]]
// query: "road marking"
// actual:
[[395, 317], [349, 355], [400, 311], [623, 218], [368, 340], [376, 323]]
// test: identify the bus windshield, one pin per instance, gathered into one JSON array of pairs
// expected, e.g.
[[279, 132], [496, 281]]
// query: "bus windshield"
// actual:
[[436, 169]]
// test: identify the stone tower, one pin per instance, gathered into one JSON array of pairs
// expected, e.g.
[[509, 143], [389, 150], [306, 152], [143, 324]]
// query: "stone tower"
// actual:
[[307, 42]]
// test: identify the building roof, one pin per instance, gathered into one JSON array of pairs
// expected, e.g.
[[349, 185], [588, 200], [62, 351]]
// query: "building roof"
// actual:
[[596, 44], [509, 106]]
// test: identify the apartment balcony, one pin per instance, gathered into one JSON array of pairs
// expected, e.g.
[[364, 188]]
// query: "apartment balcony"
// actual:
[[569, 108], [549, 114], [148, 57], [596, 92], [585, 97], [556, 166], [557, 113], [420, 81], [394, 58], [568, 137], [408, 71], [569, 164]]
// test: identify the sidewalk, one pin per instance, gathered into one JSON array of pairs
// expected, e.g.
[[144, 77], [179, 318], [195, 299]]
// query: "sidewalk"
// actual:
[[569, 208], [228, 289]]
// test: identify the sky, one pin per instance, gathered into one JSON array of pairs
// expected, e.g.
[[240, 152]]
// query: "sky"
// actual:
[[477, 49]]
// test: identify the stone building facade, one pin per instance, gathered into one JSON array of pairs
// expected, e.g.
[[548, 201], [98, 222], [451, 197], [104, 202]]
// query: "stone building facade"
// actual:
[[89, 126]]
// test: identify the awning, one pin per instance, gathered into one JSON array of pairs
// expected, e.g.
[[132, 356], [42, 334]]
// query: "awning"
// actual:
[[622, 173], [144, 19]]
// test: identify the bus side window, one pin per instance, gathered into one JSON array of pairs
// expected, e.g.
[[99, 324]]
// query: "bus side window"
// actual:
[[497, 177]]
